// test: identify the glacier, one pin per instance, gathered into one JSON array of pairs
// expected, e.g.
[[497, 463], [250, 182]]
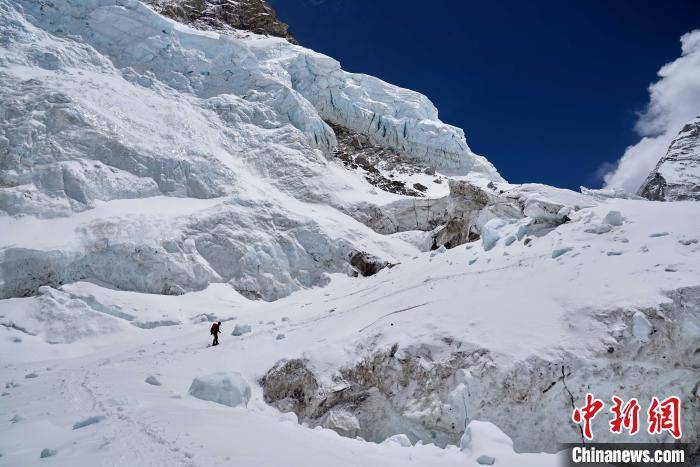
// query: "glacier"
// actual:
[[105, 102], [157, 176]]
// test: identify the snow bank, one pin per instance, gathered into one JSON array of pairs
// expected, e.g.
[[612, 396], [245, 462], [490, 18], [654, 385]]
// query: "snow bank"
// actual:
[[57, 317]]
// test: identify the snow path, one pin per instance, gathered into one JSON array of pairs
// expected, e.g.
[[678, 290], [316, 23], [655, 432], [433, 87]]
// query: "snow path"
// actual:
[[138, 429]]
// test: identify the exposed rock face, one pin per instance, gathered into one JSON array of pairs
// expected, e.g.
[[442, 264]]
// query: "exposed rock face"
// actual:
[[432, 392], [366, 264], [376, 162], [290, 385], [252, 15], [676, 177]]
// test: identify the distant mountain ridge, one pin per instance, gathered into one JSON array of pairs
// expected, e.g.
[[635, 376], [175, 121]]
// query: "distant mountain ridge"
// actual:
[[676, 176]]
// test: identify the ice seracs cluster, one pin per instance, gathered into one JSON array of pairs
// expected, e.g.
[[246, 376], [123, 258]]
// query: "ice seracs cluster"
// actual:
[[176, 157]]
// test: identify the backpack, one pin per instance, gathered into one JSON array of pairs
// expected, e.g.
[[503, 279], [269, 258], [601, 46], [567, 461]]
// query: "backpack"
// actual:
[[214, 328]]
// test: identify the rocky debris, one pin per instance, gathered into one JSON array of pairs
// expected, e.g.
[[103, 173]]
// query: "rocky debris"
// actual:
[[676, 176], [433, 393], [31, 375], [290, 385], [229, 389], [365, 263], [374, 391], [377, 163], [279, 337], [240, 329], [152, 380], [251, 15], [420, 187]]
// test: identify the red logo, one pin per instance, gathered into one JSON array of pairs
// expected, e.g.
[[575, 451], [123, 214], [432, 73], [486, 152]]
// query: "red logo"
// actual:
[[587, 413], [665, 416], [626, 417], [661, 416]]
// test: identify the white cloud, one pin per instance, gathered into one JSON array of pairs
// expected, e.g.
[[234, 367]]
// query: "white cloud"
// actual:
[[673, 100]]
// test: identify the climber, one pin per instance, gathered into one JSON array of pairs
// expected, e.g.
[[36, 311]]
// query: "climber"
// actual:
[[215, 330]]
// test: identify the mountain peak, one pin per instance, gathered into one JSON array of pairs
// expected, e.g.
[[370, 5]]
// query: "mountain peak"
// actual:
[[676, 176], [251, 15]]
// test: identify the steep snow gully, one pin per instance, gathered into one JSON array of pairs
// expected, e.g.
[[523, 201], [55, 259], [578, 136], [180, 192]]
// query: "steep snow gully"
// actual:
[[386, 297]]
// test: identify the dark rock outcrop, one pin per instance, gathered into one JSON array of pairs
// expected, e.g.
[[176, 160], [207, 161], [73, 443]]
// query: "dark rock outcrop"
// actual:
[[676, 177], [378, 164], [251, 15], [366, 264], [290, 385]]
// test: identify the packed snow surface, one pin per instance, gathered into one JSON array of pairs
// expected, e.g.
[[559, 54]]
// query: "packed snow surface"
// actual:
[[580, 303]]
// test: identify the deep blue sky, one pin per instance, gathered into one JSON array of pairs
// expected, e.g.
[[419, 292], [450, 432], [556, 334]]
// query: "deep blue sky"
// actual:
[[547, 90]]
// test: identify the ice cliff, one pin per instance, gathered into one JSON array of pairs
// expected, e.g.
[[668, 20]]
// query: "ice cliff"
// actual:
[[110, 111]]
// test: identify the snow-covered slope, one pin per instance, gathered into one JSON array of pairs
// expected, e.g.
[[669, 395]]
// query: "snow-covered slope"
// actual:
[[677, 174], [155, 178], [503, 335]]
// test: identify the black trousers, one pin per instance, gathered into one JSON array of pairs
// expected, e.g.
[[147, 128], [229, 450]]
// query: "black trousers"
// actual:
[[216, 339]]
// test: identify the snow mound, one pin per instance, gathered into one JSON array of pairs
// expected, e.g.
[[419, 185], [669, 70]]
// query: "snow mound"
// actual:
[[240, 329], [614, 218], [223, 388], [485, 460], [56, 316], [400, 440], [152, 380], [46, 452]]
